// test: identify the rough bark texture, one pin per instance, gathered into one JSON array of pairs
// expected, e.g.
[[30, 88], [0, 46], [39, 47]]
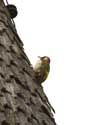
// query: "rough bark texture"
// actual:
[[22, 101]]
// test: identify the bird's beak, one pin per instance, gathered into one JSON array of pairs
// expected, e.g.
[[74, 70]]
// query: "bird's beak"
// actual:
[[39, 57]]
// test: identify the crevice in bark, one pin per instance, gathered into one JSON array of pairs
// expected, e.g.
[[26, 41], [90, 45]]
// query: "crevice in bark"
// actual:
[[19, 109], [4, 90], [44, 122], [5, 123], [6, 106]]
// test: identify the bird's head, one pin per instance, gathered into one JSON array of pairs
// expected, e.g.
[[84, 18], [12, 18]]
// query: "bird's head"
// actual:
[[45, 59]]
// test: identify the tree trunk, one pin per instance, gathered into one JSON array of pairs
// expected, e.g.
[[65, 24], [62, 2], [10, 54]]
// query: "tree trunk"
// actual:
[[22, 100]]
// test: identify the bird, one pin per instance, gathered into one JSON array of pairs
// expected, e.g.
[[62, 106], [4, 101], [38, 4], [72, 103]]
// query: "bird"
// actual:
[[42, 69]]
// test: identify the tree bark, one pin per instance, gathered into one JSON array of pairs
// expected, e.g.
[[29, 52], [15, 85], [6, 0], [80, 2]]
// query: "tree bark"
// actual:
[[22, 100]]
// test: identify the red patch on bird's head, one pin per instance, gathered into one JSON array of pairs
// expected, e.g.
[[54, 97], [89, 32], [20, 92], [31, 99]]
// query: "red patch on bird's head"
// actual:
[[49, 60]]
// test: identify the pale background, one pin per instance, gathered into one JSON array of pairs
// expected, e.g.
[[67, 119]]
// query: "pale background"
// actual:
[[61, 29]]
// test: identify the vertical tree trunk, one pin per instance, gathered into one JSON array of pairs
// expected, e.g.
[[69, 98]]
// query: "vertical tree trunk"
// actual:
[[22, 101]]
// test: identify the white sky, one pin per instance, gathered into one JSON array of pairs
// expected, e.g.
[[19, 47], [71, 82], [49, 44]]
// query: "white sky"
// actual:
[[61, 29]]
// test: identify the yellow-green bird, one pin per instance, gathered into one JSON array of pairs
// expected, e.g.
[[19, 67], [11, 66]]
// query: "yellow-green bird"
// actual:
[[41, 69]]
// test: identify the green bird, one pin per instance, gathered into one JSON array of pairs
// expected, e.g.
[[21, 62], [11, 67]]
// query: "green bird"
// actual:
[[41, 69]]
